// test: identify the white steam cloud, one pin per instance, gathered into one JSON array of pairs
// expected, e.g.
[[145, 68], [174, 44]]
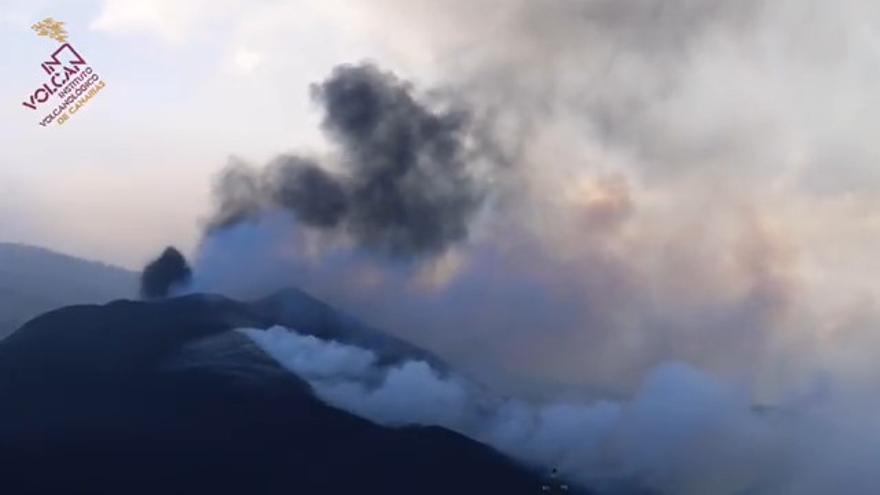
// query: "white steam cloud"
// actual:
[[671, 181], [682, 432]]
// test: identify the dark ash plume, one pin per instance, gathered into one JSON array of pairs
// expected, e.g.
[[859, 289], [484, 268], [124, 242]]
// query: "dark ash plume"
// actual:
[[405, 189], [410, 188], [168, 271], [238, 194], [300, 185]]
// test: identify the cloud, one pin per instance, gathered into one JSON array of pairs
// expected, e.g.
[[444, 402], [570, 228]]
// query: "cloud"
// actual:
[[172, 22], [161, 18], [164, 274], [682, 431], [246, 60], [405, 188], [688, 181]]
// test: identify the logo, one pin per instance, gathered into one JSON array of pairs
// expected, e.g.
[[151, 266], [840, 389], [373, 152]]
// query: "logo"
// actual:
[[69, 81], [51, 28]]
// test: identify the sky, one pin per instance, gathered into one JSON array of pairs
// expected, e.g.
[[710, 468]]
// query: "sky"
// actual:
[[189, 85], [660, 181], [665, 179]]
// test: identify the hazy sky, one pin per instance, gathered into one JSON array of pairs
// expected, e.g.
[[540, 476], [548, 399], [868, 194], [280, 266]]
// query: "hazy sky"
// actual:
[[188, 85], [686, 179]]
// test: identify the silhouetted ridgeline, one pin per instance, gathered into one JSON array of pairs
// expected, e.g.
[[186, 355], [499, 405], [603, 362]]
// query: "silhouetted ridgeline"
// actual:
[[163, 397], [35, 280]]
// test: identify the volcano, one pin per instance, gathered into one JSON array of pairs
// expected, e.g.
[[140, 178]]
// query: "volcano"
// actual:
[[167, 397]]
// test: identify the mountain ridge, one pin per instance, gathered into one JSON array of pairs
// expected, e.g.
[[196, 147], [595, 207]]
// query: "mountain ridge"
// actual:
[[102, 395], [34, 280]]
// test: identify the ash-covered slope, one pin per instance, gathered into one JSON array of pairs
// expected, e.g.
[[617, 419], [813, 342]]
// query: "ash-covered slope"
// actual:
[[163, 397]]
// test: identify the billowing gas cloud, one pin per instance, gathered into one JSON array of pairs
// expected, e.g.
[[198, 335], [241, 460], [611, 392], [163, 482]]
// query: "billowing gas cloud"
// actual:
[[686, 181], [667, 190], [167, 272], [682, 432], [404, 188]]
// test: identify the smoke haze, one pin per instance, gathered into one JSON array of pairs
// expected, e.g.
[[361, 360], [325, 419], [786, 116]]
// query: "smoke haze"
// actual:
[[169, 271], [649, 183], [681, 432], [621, 186], [404, 189]]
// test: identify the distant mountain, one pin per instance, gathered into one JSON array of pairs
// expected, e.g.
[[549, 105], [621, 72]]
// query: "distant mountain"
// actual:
[[35, 280], [165, 397]]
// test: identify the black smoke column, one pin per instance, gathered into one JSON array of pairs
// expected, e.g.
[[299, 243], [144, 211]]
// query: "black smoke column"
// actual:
[[404, 189], [167, 271], [410, 190]]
